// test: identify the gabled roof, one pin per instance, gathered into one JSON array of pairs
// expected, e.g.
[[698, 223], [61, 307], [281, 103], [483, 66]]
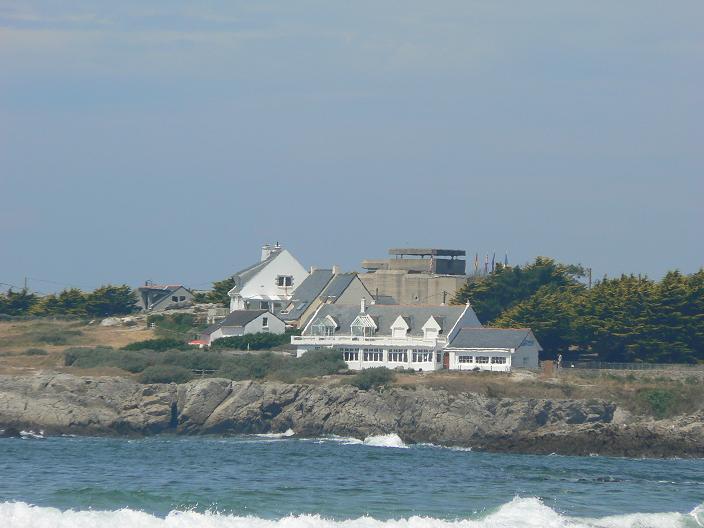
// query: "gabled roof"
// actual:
[[243, 276], [337, 285], [241, 317], [384, 316], [309, 290], [491, 337]]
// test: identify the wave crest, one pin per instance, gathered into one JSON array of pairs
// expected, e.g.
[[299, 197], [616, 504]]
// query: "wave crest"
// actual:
[[528, 512]]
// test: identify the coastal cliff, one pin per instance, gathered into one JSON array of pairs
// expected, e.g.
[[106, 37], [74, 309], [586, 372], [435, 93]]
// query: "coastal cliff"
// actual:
[[66, 404]]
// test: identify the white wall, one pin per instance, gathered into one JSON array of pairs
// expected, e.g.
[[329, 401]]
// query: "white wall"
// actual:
[[264, 282], [274, 325], [474, 352], [360, 364]]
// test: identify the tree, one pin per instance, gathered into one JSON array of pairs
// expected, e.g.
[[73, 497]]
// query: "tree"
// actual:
[[220, 289], [111, 300], [17, 303]]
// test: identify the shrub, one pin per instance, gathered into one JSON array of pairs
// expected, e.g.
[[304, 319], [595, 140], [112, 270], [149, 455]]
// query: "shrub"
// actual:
[[106, 357], [169, 325], [251, 366], [192, 359], [165, 374], [57, 337], [311, 364], [372, 378], [36, 352], [659, 401], [158, 345], [259, 341]]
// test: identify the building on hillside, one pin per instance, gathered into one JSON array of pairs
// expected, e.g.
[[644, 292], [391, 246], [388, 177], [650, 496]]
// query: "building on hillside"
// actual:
[[242, 322], [415, 275], [497, 349], [323, 286], [268, 284], [154, 297], [393, 336]]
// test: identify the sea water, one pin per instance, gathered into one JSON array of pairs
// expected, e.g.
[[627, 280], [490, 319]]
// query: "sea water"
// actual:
[[280, 481]]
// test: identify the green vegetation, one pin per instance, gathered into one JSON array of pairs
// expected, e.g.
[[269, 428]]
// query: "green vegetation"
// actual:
[[213, 363], [372, 378], [36, 352], [219, 292], [625, 319], [259, 341], [58, 336], [158, 345], [165, 374], [181, 326], [659, 401], [102, 302]]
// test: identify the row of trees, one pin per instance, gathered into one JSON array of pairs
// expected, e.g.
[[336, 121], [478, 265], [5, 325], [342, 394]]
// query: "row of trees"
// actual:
[[623, 319], [102, 302]]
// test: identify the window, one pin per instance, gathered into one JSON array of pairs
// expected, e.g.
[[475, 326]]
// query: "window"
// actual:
[[174, 298], [350, 354], [363, 326], [422, 356], [182, 298], [263, 305], [373, 354], [324, 327], [482, 359], [465, 359], [438, 357], [497, 360], [398, 356], [284, 281], [265, 322]]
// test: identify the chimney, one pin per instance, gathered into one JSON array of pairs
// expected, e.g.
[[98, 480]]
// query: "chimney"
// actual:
[[312, 269], [335, 269], [363, 305], [266, 252]]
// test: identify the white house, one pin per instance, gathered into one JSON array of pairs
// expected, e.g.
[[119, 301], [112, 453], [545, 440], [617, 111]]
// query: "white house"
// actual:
[[268, 284], [241, 322], [393, 336], [496, 349]]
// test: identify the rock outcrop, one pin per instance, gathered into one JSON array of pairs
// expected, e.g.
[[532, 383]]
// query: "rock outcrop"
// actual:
[[66, 404]]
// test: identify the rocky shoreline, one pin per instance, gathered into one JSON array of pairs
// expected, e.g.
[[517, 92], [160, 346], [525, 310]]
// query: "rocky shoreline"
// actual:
[[112, 406]]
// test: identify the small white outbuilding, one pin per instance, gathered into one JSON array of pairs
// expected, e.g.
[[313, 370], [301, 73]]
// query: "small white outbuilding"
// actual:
[[242, 322]]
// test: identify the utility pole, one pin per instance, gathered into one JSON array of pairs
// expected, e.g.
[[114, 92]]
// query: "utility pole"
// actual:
[[444, 296], [589, 272], [25, 284]]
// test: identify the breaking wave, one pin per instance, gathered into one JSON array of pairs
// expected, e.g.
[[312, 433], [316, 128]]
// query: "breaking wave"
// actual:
[[520, 512], [389, 440], [286, 434]]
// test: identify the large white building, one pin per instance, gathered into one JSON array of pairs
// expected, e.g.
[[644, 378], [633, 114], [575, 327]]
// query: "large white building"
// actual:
[[268, 284], [392, 336], [416, 337]]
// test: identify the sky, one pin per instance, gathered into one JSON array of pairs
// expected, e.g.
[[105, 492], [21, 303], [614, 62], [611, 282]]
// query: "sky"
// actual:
[[169, 140]]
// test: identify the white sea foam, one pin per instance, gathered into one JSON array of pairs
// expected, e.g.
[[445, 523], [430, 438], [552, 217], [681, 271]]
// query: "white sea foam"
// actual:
[[285, 434], [389, 440], [32, 435], [520, 512]]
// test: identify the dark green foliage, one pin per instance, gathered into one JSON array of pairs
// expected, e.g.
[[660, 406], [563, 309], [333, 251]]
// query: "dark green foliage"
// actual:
[[158, 345], [57, 337], [193, 359], [626, 319], [659, 401], [106, 357], [165, 374], [283, 368], [36, 352], [219, 292], [105, 301], [177, 325], [259, 341], [508, 286], [372, 378]]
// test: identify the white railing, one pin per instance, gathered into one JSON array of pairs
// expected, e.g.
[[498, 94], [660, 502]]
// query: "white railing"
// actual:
[[361, 341]]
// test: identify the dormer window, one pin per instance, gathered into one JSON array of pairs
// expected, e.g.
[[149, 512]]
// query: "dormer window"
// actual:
[[324, 327], [400, 327], [363, 326], [431, 328]]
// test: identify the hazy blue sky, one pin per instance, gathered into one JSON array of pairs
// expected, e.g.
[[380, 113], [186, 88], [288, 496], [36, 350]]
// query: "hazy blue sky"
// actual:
[[169, 140]]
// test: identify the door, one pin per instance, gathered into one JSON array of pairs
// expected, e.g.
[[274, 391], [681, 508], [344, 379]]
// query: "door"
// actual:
[[446, 360]]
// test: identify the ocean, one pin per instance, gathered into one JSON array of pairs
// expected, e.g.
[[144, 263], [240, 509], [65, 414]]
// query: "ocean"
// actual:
[[279, 481]]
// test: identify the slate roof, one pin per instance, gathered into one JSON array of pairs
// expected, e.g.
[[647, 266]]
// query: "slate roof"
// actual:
[[490, 337], [338, 285], [236, 318], [384, 316], [309, 290], [243, 276]]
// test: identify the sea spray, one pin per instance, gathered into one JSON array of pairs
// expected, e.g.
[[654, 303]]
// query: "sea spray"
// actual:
[[520, 512]]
